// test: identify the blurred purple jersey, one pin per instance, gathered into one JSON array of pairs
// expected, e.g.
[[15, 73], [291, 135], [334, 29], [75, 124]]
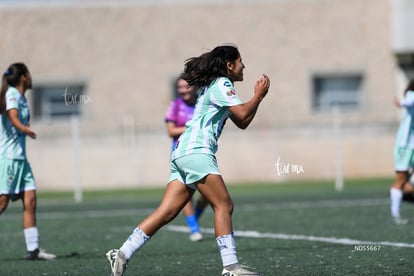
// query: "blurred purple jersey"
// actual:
[[179, 113]]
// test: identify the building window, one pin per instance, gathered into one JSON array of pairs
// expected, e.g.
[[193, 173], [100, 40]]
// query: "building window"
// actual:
[[55, 101], [343, 91]]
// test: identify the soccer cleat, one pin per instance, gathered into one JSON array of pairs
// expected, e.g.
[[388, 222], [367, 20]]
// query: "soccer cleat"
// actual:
[[196, 236], [117, 261], [399, 220], [39, 254], [239, 271]]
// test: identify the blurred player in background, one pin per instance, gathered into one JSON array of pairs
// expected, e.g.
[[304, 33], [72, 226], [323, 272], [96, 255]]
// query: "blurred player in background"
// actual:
[[193, 164], [178, 114], [16, 178], [403, 154]]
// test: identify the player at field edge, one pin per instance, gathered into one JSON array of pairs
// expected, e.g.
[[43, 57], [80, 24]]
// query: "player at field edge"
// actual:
[[17, 181], [403, 155], [193, 164], [178, 114]]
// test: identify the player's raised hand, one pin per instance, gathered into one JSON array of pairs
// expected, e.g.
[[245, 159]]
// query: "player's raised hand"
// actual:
[[262, 86]]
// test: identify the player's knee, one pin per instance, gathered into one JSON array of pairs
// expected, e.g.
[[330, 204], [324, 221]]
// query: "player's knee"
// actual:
[[225, 207], [30, 204], [230, 206]]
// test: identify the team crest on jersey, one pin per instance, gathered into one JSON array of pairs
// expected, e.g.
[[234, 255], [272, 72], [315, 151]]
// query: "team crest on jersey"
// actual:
[[231, 93], [12, 99]]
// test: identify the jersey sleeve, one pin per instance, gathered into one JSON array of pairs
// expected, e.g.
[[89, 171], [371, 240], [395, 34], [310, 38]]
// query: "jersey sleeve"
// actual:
[[171, 114], [225, 94], [12, 100]]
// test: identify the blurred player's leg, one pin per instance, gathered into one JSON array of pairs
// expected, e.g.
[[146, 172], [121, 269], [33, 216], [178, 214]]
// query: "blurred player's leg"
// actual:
[[396, 195], [408, 192], [201, 205], [4, 202], [191, 219]]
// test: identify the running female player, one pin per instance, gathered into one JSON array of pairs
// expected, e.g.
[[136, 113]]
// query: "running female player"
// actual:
[[193, 164]]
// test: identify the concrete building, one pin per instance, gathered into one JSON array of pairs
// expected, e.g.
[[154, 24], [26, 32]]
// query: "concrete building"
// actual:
[[103, 74]]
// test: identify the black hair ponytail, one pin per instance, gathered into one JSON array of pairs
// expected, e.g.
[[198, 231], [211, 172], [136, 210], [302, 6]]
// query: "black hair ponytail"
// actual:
[[203, 70]]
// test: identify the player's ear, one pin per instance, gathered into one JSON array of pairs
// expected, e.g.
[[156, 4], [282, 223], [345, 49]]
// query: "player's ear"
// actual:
[[230, 66]]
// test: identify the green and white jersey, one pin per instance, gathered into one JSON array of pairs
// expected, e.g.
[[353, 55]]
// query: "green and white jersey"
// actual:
[[405, 134], [210, 114], [12, 141]]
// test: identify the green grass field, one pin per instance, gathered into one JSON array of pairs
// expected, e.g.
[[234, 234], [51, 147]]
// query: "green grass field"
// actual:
[[281, 229]]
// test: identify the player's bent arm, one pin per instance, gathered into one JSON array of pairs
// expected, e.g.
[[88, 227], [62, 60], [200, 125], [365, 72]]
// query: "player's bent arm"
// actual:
[[242, 115], [174, 131], [13, 115]]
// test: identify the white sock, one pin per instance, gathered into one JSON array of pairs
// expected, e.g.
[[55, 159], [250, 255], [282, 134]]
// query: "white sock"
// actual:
[[227, 247], [134, 242], [396, 197], [31, 236]]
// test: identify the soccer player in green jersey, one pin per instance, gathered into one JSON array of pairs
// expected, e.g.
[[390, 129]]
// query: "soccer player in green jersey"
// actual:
[[403, 154], [193, 164], [16, 178]]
